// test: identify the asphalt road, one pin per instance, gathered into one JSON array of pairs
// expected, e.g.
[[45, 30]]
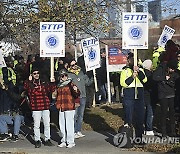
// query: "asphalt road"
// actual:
[[92, 143]]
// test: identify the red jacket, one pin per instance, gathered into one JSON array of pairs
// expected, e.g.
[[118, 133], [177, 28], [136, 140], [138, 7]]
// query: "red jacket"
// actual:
[[38, 94], [65, 100]]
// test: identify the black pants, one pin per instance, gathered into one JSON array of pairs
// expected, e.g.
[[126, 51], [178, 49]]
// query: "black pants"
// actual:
[[167, 104]]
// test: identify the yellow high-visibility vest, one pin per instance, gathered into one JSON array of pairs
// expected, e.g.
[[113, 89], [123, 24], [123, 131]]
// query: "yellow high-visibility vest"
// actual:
[[1, 76], [56, 64], [11, 75], [1, 73], [126, 73], [30, 68], [156, 54]]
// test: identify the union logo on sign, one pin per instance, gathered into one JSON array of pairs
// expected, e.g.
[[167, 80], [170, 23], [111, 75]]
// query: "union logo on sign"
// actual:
[[164, 38], [92, 54], [52, 41], [135, 32]]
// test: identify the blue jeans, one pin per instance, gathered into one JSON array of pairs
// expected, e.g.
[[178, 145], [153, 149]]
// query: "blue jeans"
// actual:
[[45, 115], [149, 118], [134, 110], [66, 125], [103, 89], [79, 113], [6, 120]]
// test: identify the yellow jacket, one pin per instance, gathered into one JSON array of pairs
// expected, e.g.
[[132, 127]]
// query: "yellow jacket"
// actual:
[[127, 81]]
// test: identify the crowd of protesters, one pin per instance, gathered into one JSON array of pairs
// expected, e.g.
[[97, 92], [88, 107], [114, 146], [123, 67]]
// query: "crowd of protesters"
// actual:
[[27, 91], [145, 87]]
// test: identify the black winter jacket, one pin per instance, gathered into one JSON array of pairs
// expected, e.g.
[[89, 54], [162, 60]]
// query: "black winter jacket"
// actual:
[[166, 88]]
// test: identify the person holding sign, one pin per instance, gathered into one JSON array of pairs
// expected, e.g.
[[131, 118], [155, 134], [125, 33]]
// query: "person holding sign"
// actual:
[[133, 77], [38, 92], [170, 53]]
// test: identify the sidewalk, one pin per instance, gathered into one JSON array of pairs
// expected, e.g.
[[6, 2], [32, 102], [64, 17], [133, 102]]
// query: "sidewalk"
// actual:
[[92, 143]]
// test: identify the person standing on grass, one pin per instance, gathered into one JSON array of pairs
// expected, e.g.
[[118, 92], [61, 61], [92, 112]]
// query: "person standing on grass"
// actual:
[[38, 92], [65, 103]]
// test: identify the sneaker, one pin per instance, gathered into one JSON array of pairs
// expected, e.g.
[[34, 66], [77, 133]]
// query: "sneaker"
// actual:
[[37, 144], [5, 137], [48, 143], [149, 133], [76, 136], [14, 138], [63, 144], [70, 145], [80, 134]]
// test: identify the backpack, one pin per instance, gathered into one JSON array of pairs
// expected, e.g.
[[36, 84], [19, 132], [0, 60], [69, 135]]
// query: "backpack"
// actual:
[[124, 137]]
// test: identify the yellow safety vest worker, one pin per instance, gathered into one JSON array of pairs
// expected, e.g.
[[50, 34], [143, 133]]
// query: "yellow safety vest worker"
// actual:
[[11, 75], [126, 73], [156, 54]]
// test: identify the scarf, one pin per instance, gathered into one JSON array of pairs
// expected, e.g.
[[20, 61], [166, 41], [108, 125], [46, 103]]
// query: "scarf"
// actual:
[[75, 71], [37, 84]]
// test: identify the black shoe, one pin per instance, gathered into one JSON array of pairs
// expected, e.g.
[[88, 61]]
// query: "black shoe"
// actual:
[[14, 138], [37, 144], [48, 143], [5, 137]]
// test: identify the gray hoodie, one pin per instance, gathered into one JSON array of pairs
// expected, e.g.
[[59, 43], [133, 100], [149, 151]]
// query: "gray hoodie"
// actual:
[[81, 81]]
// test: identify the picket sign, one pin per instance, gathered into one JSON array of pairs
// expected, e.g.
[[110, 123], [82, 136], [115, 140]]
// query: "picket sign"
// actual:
[[91, 50], [135, 33], [166, 35], [52, 41]]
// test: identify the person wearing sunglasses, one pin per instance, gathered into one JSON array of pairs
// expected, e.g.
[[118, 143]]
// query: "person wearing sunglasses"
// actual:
[[81, 80], [66, 104], [38, 92]]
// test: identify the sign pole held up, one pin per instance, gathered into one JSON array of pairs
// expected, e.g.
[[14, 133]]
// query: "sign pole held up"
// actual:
[[96, 87], [135, 65], [52, 69], [108, 78]]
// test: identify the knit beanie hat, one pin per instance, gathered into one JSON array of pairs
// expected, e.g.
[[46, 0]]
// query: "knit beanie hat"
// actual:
[[34, 69], [147, 64], [62, 72]]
